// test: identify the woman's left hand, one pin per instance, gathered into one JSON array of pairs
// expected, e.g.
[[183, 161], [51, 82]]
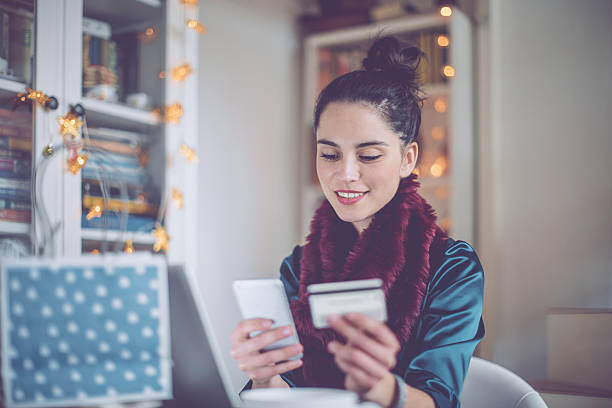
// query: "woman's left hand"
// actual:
[[367, 357]]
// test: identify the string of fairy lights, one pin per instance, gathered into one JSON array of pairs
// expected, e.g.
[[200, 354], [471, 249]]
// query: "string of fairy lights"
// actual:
[[73, 130]]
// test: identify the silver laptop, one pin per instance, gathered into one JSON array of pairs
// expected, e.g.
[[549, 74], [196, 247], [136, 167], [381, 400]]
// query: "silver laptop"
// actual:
[[198, 375]]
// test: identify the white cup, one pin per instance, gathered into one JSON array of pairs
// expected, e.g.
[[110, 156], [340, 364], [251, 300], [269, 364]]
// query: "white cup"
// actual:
[[299, 398]]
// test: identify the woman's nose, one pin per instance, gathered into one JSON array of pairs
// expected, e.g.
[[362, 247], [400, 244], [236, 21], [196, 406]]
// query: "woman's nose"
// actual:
[[350, 169]]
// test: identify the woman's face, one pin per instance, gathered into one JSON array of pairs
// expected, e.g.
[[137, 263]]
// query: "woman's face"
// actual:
[[360, 161]]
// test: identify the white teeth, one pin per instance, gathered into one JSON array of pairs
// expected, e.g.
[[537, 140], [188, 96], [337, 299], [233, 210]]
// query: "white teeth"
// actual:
[[349, 195]]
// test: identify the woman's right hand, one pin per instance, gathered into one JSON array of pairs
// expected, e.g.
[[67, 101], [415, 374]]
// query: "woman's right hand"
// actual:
[[263, 367]]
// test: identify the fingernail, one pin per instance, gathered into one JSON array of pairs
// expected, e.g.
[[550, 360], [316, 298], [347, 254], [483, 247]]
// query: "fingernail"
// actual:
[[331, 347], [267, 323], [298, 362], [287, 331], [332, 318]]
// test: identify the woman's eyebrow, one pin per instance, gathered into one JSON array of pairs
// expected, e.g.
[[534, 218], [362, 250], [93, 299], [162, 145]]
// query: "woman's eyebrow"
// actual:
[[360, 145]]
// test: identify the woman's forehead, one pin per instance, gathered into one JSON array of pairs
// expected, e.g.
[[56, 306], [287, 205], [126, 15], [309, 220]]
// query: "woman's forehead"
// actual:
[[352, 124]]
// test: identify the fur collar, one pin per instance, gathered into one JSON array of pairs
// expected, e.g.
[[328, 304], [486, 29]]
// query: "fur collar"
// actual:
[[395, 248]]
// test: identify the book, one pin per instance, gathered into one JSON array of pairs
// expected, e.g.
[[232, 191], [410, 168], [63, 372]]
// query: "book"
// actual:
[[113, 204], [92, 171], [15, 205], [15, 131], [19, 117], [138, 192], [15, 168], [119, 135], [21, 41], [4, 38], [16, 154], [15, 215], [112, 221], [115, 147], [7, 142]]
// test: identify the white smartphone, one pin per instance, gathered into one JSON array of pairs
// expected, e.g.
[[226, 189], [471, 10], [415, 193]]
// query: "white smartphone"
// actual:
[[266, 298]]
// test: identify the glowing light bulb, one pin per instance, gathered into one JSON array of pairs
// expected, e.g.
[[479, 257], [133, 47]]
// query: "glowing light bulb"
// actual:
[[446, 11], [448, 71], [189, 153], [196, 26], [161, 239], [173, 113], [443, 41], [128, 247], [181, 72], [440, 105], [177, 196], [437, 133], [95, 212]]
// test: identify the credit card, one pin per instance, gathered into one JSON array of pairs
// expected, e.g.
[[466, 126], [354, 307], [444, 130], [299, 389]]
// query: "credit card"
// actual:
[[364, 296]]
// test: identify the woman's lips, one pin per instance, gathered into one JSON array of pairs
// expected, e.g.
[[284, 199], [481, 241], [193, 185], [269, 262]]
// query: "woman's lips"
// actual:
[[348, 197]]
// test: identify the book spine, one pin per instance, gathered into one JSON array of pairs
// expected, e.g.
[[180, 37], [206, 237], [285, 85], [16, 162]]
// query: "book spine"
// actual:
[[17, 116], [132, 207], [114, 147], [111, 221], [12, 131], [15, 168], [14, 205], [16, 215], [4, 37], [86, 56], [14, 194], [17, 184], [7, 142], [15, 154]]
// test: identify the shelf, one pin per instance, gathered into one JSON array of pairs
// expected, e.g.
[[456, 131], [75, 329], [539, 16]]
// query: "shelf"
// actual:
[[8, 85], [117, 115], [8, 227], [124, 13], [145, 238]]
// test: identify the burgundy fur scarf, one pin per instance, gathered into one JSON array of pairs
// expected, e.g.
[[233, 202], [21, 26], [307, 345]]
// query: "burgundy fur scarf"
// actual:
[[395, 248]]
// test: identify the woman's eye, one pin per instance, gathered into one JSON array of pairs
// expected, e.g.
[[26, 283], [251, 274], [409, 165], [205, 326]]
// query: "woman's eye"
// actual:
[[330, 156], [370, 158]]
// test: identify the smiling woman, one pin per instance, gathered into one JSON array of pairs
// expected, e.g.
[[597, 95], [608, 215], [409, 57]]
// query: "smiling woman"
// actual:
[[374, 224]]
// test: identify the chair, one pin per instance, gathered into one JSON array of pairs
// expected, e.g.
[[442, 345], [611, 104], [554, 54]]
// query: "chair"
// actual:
[[488, 385]]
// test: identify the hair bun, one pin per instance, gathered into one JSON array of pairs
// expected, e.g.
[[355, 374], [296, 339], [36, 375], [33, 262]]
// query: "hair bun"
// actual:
[[387, 54]]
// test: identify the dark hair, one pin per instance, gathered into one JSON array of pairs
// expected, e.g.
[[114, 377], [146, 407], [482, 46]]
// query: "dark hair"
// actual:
[[389, 83]]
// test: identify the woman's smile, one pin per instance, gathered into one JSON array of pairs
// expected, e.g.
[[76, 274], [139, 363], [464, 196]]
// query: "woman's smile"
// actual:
[[350, 197]]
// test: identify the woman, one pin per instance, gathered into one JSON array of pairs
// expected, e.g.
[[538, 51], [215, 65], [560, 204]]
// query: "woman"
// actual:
[[373, 224]]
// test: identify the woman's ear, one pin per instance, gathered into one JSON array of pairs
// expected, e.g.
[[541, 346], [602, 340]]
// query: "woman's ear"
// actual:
[[409, 159]]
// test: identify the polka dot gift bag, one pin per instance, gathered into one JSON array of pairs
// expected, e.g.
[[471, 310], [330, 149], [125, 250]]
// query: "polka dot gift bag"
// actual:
[[86, 330]]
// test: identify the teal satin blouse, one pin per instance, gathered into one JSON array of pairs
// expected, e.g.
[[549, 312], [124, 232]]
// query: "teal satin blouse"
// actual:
[[436, 358]]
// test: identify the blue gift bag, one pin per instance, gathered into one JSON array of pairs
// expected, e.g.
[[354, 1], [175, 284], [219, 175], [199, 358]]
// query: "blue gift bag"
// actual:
[[85, 330]]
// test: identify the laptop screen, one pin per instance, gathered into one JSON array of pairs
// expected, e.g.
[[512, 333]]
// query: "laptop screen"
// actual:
[[199, 376]]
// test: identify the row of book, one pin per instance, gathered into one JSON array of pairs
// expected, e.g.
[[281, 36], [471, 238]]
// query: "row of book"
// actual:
[[336, 61], [16, 41], [116, 179], [99, 59], [15, 166]]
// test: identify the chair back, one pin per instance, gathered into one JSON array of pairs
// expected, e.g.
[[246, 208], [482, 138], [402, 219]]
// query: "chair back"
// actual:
[[488, 385]]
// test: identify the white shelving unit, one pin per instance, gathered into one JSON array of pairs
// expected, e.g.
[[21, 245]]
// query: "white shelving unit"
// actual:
[[58, 71], [458, 90]]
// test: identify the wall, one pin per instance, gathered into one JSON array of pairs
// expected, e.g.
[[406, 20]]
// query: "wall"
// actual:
[[545, 189], [248, 76]]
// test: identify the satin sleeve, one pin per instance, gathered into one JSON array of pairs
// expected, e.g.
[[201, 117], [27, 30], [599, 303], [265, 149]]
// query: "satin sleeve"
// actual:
[[437, 357]]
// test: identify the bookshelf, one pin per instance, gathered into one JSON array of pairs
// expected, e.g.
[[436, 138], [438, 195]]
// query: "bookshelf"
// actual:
[[107, 56], [446, 141]]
